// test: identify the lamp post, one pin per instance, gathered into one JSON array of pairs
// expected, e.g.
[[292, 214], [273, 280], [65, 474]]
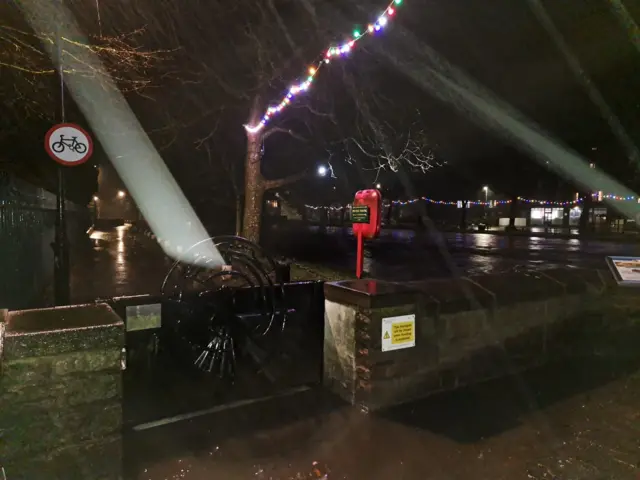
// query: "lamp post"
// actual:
[[96, 199], [486, 200]]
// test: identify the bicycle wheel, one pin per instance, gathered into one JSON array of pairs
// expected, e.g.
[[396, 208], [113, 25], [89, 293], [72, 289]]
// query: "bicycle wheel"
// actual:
[[80, 148], [58, 147]]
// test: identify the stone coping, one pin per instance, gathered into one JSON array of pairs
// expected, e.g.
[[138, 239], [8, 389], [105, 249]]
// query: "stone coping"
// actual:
[[369, 293], [52, 331], [449, 295]]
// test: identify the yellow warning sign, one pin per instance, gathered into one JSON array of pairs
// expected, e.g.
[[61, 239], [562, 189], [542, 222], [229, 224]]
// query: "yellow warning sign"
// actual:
[[399, 332], [402, 332]]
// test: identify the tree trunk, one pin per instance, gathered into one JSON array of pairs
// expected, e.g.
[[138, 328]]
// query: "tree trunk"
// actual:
[[463, 216], [513, 213], [254, 190], [238, 215], [584, 226], [255, 185]]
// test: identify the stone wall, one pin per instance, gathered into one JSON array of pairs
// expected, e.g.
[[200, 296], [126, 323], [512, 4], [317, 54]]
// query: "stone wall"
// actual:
[[61, 393], [466, 330]]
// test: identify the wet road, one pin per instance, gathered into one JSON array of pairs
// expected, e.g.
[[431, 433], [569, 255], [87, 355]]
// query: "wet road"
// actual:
[[577, 420], [118, 262], [488, 243], [404, 255], [121, 262]]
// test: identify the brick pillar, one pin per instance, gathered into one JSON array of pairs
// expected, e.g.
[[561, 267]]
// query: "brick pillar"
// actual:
[[61, 393], [466, 330], [355, 366]]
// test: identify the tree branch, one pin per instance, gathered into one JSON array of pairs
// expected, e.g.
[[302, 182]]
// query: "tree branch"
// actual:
[[273, 130], [281, 182]]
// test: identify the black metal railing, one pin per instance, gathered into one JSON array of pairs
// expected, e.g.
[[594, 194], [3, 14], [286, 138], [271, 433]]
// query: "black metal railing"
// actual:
[[27, 222]]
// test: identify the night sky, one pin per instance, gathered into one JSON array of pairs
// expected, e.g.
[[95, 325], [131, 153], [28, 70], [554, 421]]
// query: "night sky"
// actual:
[[215, 60]]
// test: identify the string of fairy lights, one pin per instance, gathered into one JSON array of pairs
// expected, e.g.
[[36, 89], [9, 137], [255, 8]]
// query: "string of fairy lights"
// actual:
[[611, 196], [490, 203], [343, 49], [334, 51]]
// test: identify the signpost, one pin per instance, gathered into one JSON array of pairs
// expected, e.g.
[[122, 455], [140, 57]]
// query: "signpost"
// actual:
[[69, 145], [366, 215]]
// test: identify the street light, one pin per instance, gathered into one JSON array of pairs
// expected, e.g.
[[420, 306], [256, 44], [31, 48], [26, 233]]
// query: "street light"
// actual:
[[322, 170], [486, 200], [378, 186], [121, 194], [95, 198]]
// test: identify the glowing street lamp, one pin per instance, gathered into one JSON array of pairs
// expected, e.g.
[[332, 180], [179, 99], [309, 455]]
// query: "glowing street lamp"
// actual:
[[486, 199], [322, 171], [378, 186], [121, 194], [95, 198]]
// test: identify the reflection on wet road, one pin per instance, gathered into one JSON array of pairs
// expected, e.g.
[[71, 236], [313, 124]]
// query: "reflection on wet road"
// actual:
[[119, 262], [404, 255], [567, 422], [578, 422], [488, 242]]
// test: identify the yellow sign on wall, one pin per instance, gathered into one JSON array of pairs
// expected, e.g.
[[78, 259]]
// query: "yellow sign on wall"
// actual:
[[398, 332]]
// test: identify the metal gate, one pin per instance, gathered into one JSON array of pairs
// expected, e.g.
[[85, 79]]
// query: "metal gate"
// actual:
[[215, 338]]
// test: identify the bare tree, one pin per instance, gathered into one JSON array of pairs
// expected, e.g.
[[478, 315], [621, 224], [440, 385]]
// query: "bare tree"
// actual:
[[234, 58], [385, 138], [230, 61], [385, 148], [30, 84]]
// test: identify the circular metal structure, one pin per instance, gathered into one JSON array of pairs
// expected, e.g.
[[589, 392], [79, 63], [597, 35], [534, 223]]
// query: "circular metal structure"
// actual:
[[215, 307]]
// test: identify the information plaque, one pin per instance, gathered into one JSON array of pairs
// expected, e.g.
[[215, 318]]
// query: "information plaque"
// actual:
[[360, 214], [626, 270]]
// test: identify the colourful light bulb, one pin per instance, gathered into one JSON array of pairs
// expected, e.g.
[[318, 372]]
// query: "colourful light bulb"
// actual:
[[331, 52]]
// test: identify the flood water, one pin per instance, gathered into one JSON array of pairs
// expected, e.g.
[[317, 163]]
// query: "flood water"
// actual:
[[122, 262], [404, 255], [578, 420]]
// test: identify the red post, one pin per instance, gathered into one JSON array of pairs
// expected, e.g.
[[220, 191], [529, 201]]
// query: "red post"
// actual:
[[367, 223], [359, 256]]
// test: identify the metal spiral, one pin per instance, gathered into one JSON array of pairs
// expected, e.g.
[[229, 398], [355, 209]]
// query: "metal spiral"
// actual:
[[219, 310]]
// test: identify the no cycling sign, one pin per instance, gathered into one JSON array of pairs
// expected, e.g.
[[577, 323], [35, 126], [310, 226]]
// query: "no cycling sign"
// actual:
[[68, 144]]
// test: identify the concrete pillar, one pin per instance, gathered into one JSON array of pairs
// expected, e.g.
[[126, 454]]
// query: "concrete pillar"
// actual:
[[354, 315], [61, 393], [387, 343]]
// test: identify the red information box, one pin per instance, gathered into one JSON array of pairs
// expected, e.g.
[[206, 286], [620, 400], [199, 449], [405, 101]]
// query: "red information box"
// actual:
[[366, 216]]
